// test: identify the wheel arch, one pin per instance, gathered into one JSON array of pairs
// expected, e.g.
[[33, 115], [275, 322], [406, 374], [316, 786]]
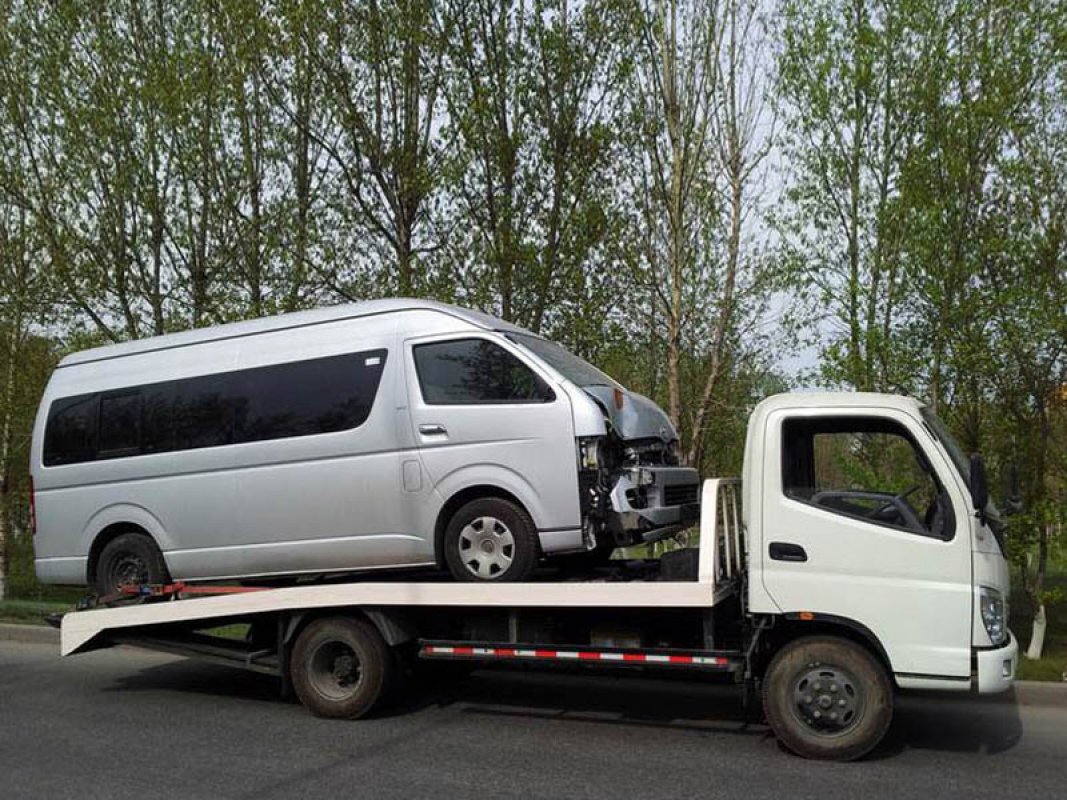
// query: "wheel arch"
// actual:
[[457, 501], [106, 535], [800, 624], [115, 520]]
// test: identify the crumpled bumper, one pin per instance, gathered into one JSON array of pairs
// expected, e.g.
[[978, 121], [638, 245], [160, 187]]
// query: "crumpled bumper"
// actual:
[[650, 501]]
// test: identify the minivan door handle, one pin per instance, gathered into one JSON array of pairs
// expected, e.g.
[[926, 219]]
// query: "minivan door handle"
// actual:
[[433, 429], [787, 551]]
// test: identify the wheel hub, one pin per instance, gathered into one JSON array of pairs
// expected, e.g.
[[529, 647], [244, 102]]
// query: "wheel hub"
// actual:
[[129, 570], [486, 547], [335, 671], [827, 698]]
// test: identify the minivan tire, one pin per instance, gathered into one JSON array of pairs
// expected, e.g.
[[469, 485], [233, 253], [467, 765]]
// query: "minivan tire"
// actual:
[[129, 559], [813, 678], [491, 540], [341, 668]]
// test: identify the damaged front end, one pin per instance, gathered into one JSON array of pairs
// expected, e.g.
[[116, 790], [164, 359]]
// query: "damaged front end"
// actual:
[[633, 489]]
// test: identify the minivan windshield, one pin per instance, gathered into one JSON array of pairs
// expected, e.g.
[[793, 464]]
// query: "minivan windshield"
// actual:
[[574, 369]]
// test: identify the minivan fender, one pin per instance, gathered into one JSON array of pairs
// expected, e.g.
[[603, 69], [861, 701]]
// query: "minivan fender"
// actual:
[[471, 476], [128, 515]]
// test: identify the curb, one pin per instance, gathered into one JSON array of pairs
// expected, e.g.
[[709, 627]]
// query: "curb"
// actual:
[[1041, 693], [28, 634]]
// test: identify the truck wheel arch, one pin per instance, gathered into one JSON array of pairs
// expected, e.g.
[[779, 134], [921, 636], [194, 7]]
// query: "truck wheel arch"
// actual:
[[796, 624]]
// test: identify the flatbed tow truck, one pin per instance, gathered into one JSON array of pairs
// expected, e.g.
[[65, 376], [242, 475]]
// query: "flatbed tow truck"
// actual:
[[825, 602]]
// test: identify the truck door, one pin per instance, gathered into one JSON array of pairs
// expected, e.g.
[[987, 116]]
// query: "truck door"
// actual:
[[862, 521], [483, 415]]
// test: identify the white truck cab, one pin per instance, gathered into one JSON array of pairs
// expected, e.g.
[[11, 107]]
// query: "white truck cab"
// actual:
[[859, 512]]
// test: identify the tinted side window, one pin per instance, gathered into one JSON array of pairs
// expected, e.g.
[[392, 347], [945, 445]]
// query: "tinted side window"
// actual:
[[120, 423], [306, 397], [200, 411], [301, 398], [70, 435], [475, 372]]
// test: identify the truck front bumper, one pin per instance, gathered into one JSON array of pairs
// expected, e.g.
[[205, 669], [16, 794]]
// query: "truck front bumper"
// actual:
[[996, 667]]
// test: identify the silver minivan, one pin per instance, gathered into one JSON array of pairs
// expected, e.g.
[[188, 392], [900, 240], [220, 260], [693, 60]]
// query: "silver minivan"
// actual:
[[385, 434]]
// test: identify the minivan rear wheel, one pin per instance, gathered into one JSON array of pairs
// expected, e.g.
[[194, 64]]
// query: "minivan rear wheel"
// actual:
[[131, 559], [491, 539]]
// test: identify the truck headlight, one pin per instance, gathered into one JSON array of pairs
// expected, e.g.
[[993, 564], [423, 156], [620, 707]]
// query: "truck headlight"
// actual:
[[994, 614]]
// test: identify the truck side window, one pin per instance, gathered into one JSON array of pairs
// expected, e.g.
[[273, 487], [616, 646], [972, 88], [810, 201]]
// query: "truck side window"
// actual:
[[475, 372], [866, 468]]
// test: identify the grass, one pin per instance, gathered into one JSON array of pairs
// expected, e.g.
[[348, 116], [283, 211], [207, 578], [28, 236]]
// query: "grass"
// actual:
[[30, 612], [1053, 664]]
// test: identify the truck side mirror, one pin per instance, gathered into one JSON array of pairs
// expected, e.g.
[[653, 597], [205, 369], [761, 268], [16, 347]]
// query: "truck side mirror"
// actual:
[[1013, 503], [979, 484]]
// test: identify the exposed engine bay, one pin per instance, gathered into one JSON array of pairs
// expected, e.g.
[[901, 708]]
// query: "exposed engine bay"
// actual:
[[632, 487]]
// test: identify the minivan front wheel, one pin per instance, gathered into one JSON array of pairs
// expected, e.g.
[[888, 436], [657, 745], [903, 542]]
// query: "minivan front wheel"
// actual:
[[491, 539], [131, 559]]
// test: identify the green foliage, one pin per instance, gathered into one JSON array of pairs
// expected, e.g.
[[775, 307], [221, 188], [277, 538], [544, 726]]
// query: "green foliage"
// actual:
[[593, 170]]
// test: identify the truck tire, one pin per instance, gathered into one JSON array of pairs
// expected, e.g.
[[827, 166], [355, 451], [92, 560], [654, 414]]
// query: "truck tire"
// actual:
[[491, 539], [340, 667], [827, 698], [129, 559]]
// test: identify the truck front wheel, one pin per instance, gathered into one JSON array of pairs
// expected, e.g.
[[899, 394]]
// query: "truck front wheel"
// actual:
[[340, 667], [827, 698]]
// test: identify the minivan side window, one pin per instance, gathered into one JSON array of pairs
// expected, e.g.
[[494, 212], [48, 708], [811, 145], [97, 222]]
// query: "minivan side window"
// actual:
[[70, 435], [476, 372], [301, 398], [866, 468], [120, 423]]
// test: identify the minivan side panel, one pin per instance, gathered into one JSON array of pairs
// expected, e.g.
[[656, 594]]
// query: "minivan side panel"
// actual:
[[311, 503], [179, 495]]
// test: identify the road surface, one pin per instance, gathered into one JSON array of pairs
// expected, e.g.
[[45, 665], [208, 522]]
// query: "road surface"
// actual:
[[126, 723]]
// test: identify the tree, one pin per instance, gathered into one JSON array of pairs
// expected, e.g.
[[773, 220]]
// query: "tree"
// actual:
[[381, 69], [844, 73]]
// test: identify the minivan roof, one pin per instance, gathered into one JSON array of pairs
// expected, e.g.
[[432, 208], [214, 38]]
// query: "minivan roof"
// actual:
[[277, 322]]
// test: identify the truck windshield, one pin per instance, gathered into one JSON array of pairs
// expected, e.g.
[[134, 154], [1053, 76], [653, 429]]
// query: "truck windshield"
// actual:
[[948, 441], [574, 369], [992, 514]]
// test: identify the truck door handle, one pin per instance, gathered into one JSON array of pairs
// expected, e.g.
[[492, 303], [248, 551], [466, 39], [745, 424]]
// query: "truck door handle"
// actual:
[[433, 429], [786, 551]]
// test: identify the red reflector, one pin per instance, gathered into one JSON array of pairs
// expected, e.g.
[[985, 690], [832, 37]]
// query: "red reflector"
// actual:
[[807, 616], [33, 509]]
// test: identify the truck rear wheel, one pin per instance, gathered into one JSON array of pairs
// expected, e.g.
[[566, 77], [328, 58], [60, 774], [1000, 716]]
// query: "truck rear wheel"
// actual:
[[340, 667], [827, 698], [491, 539]]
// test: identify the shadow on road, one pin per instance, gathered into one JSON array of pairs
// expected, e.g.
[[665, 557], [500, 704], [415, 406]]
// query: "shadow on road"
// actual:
[[922, 722], [965, 724]]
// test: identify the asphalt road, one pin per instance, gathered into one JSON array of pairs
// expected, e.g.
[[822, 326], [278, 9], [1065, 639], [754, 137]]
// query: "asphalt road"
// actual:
[[125, 723]]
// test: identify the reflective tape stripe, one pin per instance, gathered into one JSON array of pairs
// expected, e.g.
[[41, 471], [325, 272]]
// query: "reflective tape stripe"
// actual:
[[575, 655]]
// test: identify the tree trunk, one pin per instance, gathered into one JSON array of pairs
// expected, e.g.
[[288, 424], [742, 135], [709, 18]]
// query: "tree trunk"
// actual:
[[1037, 634], [5, 444]]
